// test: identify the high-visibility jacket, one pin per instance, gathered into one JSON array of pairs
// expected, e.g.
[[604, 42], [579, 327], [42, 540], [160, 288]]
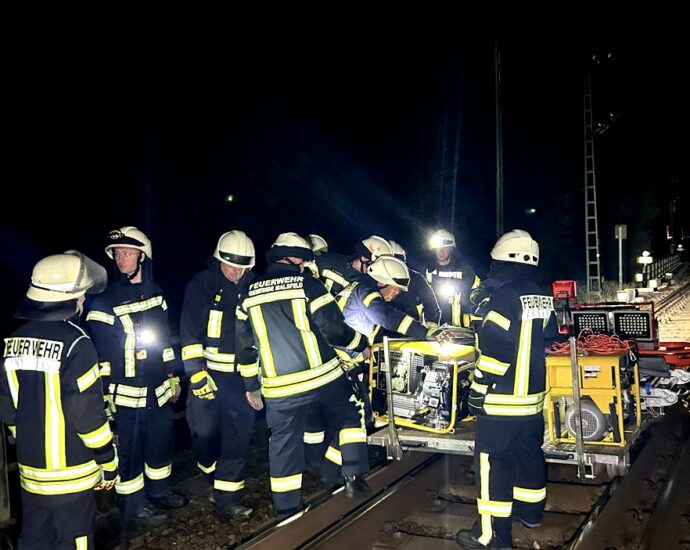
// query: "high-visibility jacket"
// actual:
[[453, 284], [293, 322], [517, 318], [52, 400], [419, 301], [366, 311], [335, 271], [129, 325], [207, 324]]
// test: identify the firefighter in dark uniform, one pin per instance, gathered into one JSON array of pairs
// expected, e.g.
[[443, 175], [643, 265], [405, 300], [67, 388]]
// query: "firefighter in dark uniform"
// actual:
[[367, 305], [293, 322], [507, 393], [52, 400], [365, 302], [337, 271], [220, 419], [129, 325], [419, 301], [452, 279]]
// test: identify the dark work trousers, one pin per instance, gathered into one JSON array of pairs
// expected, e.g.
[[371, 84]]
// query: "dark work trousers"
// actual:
[[287, 419], [221, 430], [321, 449], [58, 522], [511, 472], [146, 441]]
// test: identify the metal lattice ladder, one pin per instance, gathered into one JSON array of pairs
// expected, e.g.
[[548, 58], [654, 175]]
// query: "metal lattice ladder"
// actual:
[[591, 225]]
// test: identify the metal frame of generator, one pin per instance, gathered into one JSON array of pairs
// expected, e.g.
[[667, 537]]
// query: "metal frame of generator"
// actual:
[[424, 380], [609, 398], [407, 434]]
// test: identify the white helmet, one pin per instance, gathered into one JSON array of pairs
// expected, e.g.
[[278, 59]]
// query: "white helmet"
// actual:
[[516, 246], [129, 237], [373, 247], [318, 244], [389, 270], [441, 238], [234, 248], [290, 245], [67, 276], [398, 251]]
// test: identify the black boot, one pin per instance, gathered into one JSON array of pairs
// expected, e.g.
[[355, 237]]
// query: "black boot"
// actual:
[[148, 515], [356, 487], [237, 511], [170, 501], [465, 539]]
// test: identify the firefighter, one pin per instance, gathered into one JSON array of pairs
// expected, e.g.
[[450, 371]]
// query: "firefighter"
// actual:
[[452, 279], [367, 309], [129, 325], [337, 271], [293, 322], [419, 301], [51, 398], [220, 419], [507, 393], [365, 302]]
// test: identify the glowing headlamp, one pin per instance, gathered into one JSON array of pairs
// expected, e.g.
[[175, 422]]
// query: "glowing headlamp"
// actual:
[[146, 337], [447, 290]]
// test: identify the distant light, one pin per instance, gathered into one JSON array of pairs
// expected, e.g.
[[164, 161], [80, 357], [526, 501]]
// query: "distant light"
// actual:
[[530, 210], [230, 198]]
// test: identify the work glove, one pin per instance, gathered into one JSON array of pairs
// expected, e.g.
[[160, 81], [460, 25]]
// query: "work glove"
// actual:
[[108, 480], [431, 325], [202, 385], [442, 336], [475, 403], [254, 399], [174, 382], [110, 408]]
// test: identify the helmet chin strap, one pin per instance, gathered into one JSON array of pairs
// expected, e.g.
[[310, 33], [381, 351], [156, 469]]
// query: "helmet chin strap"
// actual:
[[294, 263], [137, 270]]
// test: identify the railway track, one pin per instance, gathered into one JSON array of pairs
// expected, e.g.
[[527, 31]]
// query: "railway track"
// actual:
[[422, 501]]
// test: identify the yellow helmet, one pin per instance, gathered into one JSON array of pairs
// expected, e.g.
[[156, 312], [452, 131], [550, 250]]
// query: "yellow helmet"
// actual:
[[129, 237], [234, 248], [318, 244], [441, 238], [290, 245], [516, 246], [389, 270], [67, 276]]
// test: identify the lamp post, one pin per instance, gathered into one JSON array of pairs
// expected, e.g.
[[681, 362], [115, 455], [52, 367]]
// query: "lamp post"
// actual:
[[645, 261], [621, 233]]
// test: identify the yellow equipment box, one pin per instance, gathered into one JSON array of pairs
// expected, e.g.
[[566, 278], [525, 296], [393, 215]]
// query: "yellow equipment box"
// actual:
[[428, 379], [609, 398]]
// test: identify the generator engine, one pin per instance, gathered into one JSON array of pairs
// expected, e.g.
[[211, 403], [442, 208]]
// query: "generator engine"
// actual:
[[422, 388], [430, 399]]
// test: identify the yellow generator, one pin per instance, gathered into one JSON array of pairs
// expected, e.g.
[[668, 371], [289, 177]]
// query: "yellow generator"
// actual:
[[429, 383], [609, 398]]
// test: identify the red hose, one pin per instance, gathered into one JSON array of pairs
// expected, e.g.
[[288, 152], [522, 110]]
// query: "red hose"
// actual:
[[593, 344]]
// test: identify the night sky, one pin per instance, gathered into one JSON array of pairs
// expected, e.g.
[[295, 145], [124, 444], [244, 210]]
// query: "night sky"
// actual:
[[344, 134]]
